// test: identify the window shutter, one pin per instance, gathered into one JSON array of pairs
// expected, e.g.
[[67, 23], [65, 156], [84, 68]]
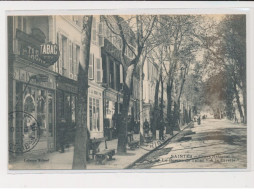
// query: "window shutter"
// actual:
[[98, 70], [100, 28], [101, 41], [61, 53], [90, 71], [74, 58], [121, 73], [94, 30], [69, 68], [94, 35]]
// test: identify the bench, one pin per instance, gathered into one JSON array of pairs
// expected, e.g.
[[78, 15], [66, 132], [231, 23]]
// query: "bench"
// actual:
[[101, 157], [94, 145], [133, 144]]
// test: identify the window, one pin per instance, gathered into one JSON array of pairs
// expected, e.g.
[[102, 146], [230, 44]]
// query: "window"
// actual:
[[75, 59], [41, 112], [91, 62], [111, 77], [94, 114]]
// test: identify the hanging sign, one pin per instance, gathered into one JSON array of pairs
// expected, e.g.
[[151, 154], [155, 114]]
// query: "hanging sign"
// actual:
[[32, 48], [49, 52]]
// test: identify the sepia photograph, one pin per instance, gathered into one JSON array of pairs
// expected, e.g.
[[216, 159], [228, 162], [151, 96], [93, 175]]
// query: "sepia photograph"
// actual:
[[113, 92]]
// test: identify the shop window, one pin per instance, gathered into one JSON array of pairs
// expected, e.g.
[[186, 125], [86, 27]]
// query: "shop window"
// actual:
[[67, 107], [50, 113], [90, 113], [94, 114], [73, 108], [29, 108], [41, 112], [98, 114]]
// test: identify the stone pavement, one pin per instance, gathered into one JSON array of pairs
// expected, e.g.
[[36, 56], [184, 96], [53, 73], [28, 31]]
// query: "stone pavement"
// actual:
[[214, 144], [56, 160]]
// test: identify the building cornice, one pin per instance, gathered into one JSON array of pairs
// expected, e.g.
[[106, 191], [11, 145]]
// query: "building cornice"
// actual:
[[72, 23]]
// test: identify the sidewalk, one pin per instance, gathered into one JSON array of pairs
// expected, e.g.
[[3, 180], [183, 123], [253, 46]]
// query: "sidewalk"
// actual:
[[56, 160]]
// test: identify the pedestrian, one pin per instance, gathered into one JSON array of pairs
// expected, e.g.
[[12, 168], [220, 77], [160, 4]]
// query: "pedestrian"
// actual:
[[161, 129], [199, 120], [146, 126], [62, 130]]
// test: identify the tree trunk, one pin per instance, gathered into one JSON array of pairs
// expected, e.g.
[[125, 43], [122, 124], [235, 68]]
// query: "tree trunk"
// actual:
[[155, 109], [162, 92], [141, 105], [245, 102], [238, 101], [122, 132], [80, 145], [169, 106]]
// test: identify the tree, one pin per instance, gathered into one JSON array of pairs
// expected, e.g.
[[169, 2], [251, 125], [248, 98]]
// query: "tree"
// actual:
[[80, 145], [179, 47], [226, 51], [133, 33]]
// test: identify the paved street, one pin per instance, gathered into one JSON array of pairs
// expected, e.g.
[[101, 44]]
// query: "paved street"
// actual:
[[213, 144]]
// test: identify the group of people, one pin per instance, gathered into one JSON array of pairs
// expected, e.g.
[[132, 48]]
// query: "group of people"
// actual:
[[161, 128]]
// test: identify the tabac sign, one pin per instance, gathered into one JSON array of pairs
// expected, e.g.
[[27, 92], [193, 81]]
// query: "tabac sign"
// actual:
[[49, 52], [33, 48]]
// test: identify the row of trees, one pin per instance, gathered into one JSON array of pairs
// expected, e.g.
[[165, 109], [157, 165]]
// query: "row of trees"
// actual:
[[225, 61], [191, 58]]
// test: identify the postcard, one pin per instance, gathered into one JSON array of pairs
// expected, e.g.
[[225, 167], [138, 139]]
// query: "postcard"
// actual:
[[113, 92]]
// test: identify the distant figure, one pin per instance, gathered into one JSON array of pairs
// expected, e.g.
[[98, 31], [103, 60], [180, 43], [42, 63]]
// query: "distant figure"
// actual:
[[199, 120], [62, 129], [161, 129], [236, 119], [146, 126]]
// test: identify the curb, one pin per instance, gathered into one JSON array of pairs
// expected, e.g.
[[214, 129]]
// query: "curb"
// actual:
[[156, 148]]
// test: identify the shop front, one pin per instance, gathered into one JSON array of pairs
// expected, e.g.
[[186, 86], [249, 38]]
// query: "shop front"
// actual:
[[95, 111], [32, 93], [66, 97], [34, 101], [112, 109]]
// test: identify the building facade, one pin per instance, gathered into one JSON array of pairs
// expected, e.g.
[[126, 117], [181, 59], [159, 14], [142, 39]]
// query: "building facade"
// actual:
[[151, 76], [48, 92], [30, 96]]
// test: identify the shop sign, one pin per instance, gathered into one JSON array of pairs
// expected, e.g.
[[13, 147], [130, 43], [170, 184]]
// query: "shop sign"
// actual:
[[49, 52], [67, 87], [30, 46]]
